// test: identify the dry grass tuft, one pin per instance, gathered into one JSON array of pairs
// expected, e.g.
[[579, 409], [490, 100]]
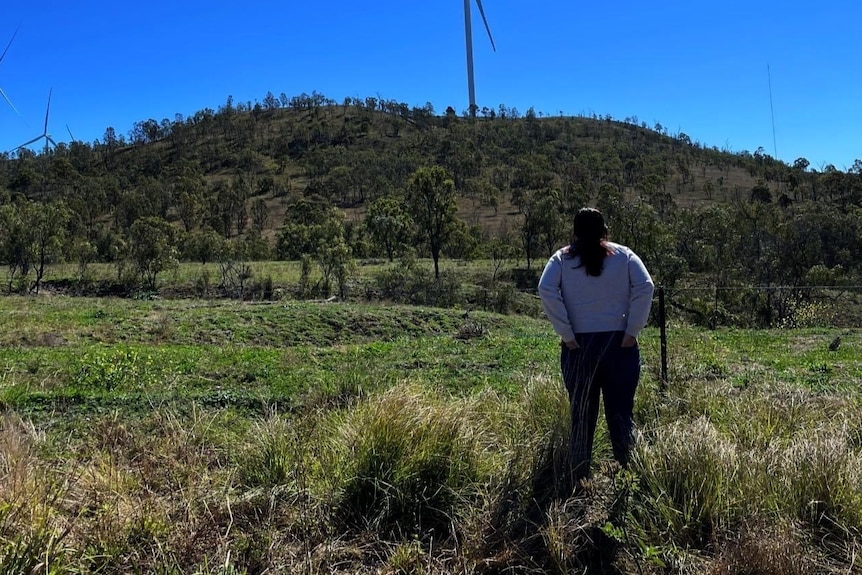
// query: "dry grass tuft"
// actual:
[[689, 474], [766, 548], [404, 460]]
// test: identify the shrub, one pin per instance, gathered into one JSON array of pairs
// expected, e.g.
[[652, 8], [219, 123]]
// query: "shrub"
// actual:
[[405, 463]]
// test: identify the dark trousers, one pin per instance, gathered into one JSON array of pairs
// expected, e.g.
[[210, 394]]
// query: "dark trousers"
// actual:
[[600, 365]]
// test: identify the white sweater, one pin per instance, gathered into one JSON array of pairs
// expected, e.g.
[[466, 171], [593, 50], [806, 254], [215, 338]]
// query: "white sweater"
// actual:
[[617, 300]]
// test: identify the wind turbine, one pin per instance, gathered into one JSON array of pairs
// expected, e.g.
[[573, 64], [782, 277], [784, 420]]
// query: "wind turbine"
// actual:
[[3, 55], [468, 28], [44, 134]]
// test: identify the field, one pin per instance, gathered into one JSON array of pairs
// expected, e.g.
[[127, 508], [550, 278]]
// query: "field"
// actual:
[[213, 436]]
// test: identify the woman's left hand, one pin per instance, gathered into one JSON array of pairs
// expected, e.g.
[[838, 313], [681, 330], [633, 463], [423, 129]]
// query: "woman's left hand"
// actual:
[[629, 341], [571, 344]]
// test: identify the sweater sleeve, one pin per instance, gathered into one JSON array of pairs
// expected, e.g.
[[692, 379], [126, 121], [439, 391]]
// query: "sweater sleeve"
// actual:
[[552, 300], [640, 300]]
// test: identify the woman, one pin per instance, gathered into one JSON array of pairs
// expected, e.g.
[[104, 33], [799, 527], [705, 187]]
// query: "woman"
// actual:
[[597, 295]]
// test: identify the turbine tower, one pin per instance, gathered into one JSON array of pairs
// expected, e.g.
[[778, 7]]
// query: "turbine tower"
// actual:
[[468, 28]]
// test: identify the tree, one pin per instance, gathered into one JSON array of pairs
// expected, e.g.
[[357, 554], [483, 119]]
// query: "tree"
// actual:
[[336, 262], [48, 223], [189, 189], [389, 225], [228, 211], [801, 164], [152, 248], [500, 250], [270, 102], [543, 221], [83, 252], [798, 176], [31, 237], [87, 204], [552, 225], [463, 241], [259, 214], [309, 223], [431, 203], [761, 193], [241, 190], [15, 241], [202, 245]]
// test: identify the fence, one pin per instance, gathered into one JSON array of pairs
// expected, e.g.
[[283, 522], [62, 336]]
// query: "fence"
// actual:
[[773, 306]]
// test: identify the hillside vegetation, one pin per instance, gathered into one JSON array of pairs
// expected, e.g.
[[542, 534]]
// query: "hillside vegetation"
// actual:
[[329, 183]]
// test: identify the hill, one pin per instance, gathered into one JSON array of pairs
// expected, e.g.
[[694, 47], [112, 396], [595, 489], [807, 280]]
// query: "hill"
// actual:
[[354, 152], [290, 177]]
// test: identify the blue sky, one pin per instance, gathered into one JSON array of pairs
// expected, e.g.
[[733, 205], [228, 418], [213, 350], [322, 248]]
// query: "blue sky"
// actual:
[[695, 67]]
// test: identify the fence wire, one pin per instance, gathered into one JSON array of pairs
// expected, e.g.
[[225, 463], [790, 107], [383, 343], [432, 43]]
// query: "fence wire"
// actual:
[[756, 307]]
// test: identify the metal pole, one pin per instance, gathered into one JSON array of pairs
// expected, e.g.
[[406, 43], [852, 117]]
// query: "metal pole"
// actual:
[[468, 29], [662, 320]]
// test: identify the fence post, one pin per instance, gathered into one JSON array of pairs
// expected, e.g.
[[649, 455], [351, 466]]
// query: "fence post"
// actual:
[[662, 320]]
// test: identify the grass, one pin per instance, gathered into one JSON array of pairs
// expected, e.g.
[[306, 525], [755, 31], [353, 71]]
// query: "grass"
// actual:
[[73, 353], [190, 436], [283, 273]]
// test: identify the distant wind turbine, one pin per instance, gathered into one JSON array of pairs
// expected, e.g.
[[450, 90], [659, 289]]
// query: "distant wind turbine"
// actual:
[[3, 55], [44, 134], [468, 28]]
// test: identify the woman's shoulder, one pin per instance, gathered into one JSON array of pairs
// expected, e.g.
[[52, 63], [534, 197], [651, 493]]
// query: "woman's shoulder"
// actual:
[[618, 249], [563, 253]]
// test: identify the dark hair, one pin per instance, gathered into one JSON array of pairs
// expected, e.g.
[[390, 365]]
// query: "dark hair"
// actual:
[[590, 240]]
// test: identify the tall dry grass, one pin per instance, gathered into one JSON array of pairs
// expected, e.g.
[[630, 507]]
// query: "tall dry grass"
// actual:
[[414, 479], [773, 471], [33, 534]]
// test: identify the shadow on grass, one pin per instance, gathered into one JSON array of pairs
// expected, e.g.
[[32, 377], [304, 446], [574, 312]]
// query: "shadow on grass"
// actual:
[[551, 523]]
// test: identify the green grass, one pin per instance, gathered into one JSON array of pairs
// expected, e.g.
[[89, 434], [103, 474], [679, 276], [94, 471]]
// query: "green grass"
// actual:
[[282, 273], [74, 354], [219, 436], [746, 357]]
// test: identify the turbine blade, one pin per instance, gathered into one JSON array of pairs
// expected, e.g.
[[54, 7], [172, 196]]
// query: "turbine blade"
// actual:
[[487, 28], [11, 105], [70, 132], [3, 55], [27, 143], [47, 111], [50, 139]]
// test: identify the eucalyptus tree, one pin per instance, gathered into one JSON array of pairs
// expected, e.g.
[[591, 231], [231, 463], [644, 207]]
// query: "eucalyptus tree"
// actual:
[[31, 237], [543, 223], [336, 263], [88, 204], [152, 247], [259, 214], [500, 250], [15, 241], [430, 201], [48, 224], [389, 225], [309, 223]]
